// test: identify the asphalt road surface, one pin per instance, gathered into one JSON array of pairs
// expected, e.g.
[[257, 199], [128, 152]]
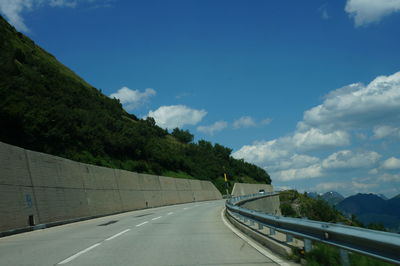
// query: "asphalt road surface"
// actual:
[[185, 234]]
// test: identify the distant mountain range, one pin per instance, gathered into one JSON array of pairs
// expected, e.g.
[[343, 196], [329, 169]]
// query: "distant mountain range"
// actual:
[[332, 197], [368, 208]]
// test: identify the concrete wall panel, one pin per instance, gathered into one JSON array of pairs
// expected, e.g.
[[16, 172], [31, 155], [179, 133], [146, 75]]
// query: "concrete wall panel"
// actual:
[[186, 196], [132, 200], [13, 166], [170, 197], [153, 198], [149, 182], [44, 169], [167, 183], [127, 180], [270, 205], [54, 189], [71, 174], [182, 184], [195, 185], [103, 178], [15, 207]]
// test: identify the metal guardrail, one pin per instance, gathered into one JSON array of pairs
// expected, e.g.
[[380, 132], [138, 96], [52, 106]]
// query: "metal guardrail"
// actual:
[[377, 244]]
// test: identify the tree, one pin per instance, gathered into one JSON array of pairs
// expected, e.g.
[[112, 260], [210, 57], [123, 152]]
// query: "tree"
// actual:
[[183, 136]]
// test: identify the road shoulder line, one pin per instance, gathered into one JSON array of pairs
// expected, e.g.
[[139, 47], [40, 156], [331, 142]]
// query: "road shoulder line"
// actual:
[[252, 243]]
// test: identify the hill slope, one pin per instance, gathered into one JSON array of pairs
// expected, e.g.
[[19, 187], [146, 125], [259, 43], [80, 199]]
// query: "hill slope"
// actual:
[[46, 107], [370, 208]]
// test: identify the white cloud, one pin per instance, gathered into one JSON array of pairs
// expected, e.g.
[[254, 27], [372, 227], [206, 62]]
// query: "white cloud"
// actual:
[[132, 99], [244, 121], [357, 106], [265, 152], [346, 159], [365, 12], [63, 3], [12, 9], [386, 131], [312, 171], [211, 129], [262, 153], [266, 121], [176, 116], [295, 161], [324, 12], [315, 138], [353, 109], [373, 171], [329, 186], [391, 163], [389, 178]]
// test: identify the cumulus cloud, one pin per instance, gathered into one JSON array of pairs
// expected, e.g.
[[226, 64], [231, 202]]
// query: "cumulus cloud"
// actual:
[[176, 116], [365, 12], [357, 106], [312, 171], [262, 153], [346, 159], [132, 99], [211, 129], [391, 163], [315, 138], [13, 9], [267, 151], [295, 161], [386, 131], [244, 121], [389, 178]]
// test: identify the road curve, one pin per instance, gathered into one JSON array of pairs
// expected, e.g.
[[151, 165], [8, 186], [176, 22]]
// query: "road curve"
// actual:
[[185, 234]]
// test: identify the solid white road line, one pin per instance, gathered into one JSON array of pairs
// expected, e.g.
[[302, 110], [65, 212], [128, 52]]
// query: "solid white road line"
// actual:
[[142, 224], [117, 235], [156, 218], [254, 244], [185, 209], [170, 213], [78, 254]]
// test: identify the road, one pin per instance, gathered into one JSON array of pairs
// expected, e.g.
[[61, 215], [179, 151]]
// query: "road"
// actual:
[[185, 234]]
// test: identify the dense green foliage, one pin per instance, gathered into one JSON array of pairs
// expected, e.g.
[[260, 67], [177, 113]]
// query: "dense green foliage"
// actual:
[[46, 107], [295, 204]]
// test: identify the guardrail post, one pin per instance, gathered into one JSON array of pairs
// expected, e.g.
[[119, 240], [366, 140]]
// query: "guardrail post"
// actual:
[[260, 226], [344, 257], [271, 231], [307, 245], [289, 238]]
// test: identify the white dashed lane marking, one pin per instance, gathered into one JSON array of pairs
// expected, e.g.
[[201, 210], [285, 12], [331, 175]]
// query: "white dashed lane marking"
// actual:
[[117, 235], [141, 224]]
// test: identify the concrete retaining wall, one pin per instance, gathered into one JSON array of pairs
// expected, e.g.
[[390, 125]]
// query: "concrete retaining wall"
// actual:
[[51, 189], [268, 204], [241, 189]]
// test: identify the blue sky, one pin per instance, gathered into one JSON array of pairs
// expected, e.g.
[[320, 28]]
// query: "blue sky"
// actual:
[[308, 90]]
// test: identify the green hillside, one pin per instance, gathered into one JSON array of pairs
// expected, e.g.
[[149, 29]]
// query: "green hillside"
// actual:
[[46, 107]]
